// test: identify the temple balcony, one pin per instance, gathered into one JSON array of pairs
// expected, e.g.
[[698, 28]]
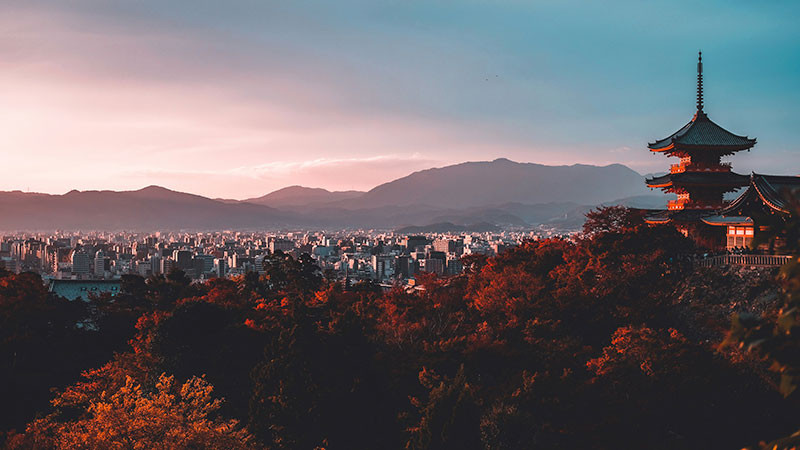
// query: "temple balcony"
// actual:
[[676, 204], [685, 203], [699, 167]]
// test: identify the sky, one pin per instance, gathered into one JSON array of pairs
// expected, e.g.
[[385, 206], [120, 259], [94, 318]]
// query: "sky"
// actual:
[[236, 99]]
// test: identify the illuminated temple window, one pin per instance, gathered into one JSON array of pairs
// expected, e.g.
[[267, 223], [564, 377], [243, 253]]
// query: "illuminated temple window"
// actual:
[[739, 236]]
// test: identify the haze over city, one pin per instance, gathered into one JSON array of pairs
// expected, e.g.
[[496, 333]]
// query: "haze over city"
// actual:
[[238, 99]]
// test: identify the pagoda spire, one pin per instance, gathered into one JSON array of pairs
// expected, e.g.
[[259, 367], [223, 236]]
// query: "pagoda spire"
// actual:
[[699, 81]]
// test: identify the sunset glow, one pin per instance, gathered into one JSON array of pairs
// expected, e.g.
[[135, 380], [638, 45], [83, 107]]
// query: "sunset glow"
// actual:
[[238, 101]]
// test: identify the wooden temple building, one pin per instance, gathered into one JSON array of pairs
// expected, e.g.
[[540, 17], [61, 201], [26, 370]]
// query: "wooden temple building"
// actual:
[[701, 179]]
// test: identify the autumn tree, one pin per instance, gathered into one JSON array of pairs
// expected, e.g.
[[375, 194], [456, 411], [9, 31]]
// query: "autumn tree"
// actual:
[[172, 416], [777, 339], [44, 343]]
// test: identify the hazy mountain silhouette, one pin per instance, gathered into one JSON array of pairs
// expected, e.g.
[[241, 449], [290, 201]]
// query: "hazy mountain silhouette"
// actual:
[[448, 227], [146, 209], [302, 196], [499, 192], [501, 181]]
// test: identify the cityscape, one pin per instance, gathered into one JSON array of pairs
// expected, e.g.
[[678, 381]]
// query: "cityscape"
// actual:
[[92, 264], [488, 225]]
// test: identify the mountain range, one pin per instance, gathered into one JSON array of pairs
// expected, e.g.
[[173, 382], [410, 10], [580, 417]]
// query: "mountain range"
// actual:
[[293, 196], [499, 193]]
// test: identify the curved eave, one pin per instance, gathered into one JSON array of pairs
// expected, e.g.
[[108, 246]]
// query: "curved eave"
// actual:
[[660, 149], [721, 149], [762, 188], [720, 221], [668, 142], [736, 203], [714, 148], [701, 133], [680, 184], [650, 184], [768, 197], [658, 216], [727, 180]]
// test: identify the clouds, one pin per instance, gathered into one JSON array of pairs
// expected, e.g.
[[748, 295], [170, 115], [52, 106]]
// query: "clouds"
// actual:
[[257, 95]]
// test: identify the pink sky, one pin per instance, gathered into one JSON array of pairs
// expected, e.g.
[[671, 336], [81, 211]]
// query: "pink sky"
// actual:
[[94, 100], [89, 105]]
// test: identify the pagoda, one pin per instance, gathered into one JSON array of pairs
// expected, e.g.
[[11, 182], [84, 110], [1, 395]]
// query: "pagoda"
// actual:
[[700, 179]]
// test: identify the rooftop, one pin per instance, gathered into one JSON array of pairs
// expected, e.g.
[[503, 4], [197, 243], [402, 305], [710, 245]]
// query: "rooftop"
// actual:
[[701, 132], [698, 179], [681, 215], [74, 289], [728, 220], [769, 189]]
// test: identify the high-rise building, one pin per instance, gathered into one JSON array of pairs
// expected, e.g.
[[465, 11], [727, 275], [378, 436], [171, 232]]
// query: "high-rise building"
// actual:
[[81, 263], [455, 246], [183, 259], [155, 264], [8, 263], [382, 266], [99, 264], [454, 266], [203, 264], [404, 266], [220, 267], [167, 265], [437, 255], [432, 265], [284, 245], [411, 243]]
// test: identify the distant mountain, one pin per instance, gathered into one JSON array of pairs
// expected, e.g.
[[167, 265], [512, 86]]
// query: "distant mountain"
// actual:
[[146, 209], [302, 196], [475, 184], [501, 193], [513, 214], [652, 201], [447, 227], [575, 217]]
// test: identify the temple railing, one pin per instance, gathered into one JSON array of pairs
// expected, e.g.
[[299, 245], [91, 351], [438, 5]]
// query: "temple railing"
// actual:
[[745, 260]]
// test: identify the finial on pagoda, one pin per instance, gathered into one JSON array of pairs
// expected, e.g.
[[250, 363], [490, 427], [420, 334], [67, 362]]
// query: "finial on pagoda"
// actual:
[[700, 81]]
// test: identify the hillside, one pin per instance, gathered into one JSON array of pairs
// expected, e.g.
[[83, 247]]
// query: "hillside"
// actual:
[[501, 193], [302, 196], [473, 184], [150, 208]]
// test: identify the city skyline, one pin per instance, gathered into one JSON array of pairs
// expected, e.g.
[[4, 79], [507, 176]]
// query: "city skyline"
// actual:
[[241, 99]]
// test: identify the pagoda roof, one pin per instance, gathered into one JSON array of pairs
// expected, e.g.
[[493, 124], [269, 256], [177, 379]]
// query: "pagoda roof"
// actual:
[[769, 190], [728, 220], [702, 133], [698, 179], [680, 215]]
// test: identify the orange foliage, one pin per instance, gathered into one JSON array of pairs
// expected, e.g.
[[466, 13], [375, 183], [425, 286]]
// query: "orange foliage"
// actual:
[[655, 353], [172, 416]]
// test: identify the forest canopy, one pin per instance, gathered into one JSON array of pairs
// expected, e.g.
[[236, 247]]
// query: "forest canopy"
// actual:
[[611, 339]]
